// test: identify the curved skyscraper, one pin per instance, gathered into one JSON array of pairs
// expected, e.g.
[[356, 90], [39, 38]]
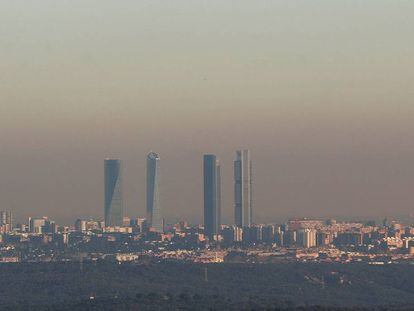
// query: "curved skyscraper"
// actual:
[[212, 196], [243, 189], [154, 211], [113, 193]]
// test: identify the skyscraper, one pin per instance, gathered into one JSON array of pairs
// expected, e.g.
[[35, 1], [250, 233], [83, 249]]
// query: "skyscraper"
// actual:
[[212, 195], [243, 189], [154, 211], [113, 193]]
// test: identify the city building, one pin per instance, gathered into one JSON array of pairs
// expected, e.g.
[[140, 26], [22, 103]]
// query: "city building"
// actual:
[[154, 210], [126, 222], [80, 225], [37, 224], [279, 237], [289, 238], [269, 234], [6, 221], [308, 238], [51, 227], [113, 193], [348, 238], [253, 234], [142, 224], [304, 223], [6, 218], [323, 239], [243, 189], [232, 234], [212, 196]]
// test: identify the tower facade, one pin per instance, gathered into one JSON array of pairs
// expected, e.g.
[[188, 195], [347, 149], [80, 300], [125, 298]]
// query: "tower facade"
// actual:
[[243, 213], [113, 193], [6, 218], [212, 195], [154, 211], [6, 221]]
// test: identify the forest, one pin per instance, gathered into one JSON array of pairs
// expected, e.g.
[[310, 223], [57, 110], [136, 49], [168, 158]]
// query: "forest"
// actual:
[[188, 286]]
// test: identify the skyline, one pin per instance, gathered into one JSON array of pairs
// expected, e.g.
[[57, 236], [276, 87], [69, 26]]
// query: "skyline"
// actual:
[[319, 91], [182, 154], [239, 156]]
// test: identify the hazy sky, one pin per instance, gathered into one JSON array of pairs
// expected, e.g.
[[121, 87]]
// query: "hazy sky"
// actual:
[[320, 91]]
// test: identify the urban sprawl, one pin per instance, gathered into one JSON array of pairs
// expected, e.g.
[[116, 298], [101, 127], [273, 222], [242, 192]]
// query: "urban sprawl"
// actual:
[[143, 240]]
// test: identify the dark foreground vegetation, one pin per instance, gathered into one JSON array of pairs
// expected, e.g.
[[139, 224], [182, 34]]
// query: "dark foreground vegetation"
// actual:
[[186, 286]]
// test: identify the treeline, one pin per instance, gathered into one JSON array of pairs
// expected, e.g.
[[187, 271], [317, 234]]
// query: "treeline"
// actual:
[[187, 286]]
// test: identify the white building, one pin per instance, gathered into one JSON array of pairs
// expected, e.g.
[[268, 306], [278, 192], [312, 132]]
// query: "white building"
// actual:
[[243, 189], [154, 209]]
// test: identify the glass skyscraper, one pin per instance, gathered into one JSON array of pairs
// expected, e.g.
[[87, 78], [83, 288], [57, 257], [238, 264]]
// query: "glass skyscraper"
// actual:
[[212, 196], [154, 211], [113, 193], [243, 189]]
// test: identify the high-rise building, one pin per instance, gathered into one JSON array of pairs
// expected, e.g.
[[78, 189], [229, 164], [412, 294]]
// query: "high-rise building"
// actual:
[[80, 225], [307, 238], [6, 218], [212, 196], [269, 234], [253, 234], [113, 193], [243, 189], [51, 227], [6, 221], [154, 211], [142, 223], [232, 234], [290, 238], [37, 224], [126, 222]]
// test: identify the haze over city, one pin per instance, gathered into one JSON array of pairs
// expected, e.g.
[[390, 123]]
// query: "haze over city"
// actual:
[[319, 91]]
